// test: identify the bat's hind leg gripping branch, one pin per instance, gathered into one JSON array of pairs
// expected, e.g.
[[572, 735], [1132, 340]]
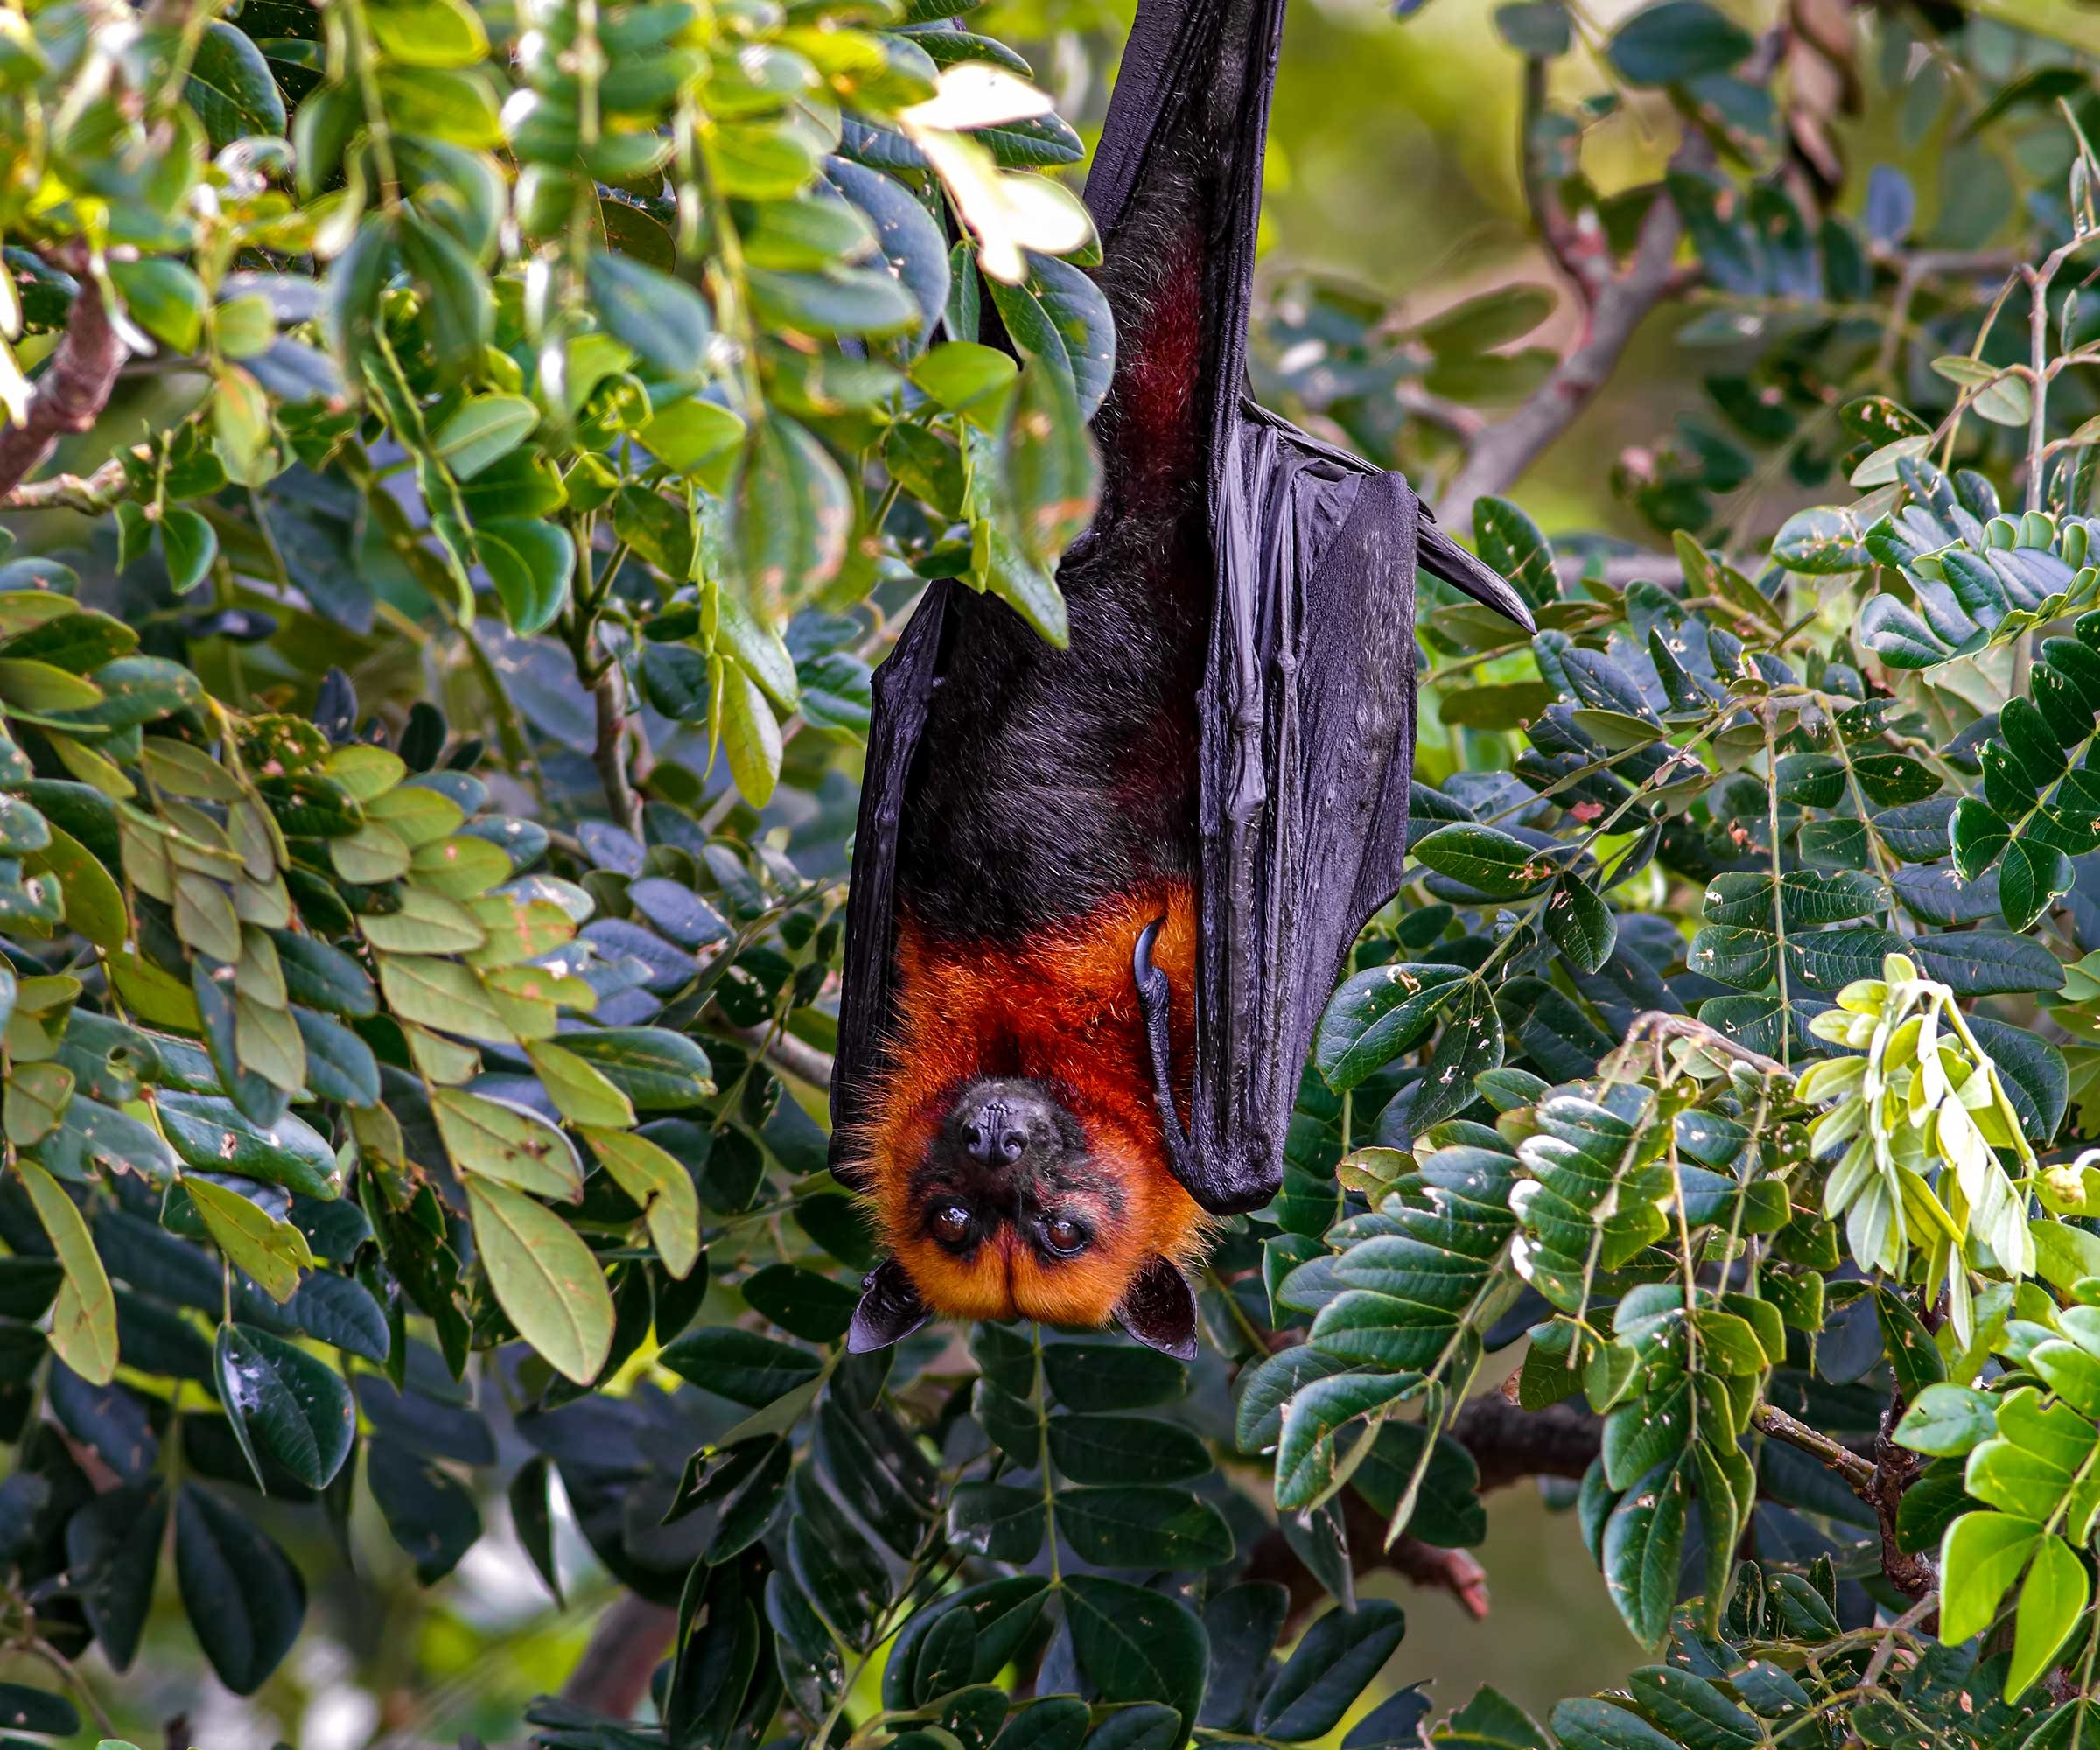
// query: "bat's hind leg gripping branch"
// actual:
[[1155, 1002]]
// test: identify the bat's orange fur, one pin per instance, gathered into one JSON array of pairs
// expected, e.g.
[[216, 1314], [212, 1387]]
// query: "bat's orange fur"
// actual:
[[1061, 1008]]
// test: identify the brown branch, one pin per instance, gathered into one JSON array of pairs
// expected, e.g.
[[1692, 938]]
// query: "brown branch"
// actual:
[[787, 1053], [1507, 448], [610, 755], [91, 495], [72, 392], [1509, 1444], [1895, 1469], [1663, 1026], [1437, 1570], [627, 1643], [1859, 1473]]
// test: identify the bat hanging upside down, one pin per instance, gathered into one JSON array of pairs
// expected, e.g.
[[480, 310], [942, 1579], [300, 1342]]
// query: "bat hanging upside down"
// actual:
[[1101, 895], [1021, 1148]]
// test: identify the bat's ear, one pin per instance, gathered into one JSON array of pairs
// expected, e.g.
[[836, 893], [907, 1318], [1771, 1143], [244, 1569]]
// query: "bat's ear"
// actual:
[[1159, 1309], [890, 1309]]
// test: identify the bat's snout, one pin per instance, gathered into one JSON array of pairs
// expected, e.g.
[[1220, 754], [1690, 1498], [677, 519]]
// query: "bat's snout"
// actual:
[[1003, 1126]]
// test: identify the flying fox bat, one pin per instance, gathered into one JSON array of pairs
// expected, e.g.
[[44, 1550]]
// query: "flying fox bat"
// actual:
[[1099, 895]]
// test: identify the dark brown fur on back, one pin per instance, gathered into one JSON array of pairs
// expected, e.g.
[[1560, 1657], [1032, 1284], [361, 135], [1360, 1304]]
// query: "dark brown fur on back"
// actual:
[[1051, 782]]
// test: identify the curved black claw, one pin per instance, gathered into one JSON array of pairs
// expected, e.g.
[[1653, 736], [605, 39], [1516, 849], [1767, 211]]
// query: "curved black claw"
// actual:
[[890, 1309], [1159, 1309], [1155, 1003]]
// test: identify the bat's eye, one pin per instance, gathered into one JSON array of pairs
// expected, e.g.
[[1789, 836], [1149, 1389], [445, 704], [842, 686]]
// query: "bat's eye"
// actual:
[[1065, 1237], [950, 1224]]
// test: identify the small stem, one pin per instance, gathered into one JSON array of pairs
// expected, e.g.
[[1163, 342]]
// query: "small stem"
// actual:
[[1857, 1473]]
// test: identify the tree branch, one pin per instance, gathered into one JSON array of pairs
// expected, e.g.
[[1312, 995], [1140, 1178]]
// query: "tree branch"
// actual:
[[91, 495], [72, 392], [1507, 449], [1510, 1444], [627, 1642], [787, 1053], [1857, 1473], [610, 755]]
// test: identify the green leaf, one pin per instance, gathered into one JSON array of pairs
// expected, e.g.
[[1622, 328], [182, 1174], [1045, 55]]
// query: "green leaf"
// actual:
[[751, 737], [530, 563], [1579, 922], [1947, 1420], [460, 310], [1334, 1664], [1677, 41], [2051, 1601], [1508, 541], [544, 1277], [1643, 1545], [231, 87], [657, 1069], [113, 1546], [1101, 1375], [1136, 1644], [1998, 396], [1470, 1045], [285, 1402], [273, 1252], [1378, 1015], [485, 429], [791, 514], [189, 544], [1911, 1352], [213, 1135], [1593, 1725], [802, 1302], [741, 1365], [1061, 317], [165, 298], [1981, 1556], [1485, 858], [430, 1513], [1141, 1526], [1052, 476], [665, 322], [1124, 1449], [245, 1600], [1823, 541], [960, 374], [83, 1322], [996, 1520], [1480, 324]]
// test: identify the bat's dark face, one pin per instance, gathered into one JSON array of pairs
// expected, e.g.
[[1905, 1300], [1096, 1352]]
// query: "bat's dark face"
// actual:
[[1018, 1169]]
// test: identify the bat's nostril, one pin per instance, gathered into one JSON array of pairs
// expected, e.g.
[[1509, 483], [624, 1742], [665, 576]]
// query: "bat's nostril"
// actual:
[[1012, 1143]]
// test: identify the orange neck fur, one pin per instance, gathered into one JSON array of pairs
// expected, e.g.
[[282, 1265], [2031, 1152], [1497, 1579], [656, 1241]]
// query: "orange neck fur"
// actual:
[[1063, 1008]]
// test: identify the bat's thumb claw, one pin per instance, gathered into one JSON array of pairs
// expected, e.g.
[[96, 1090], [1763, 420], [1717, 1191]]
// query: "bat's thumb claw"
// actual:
[[890, 1309], [1149, 977]]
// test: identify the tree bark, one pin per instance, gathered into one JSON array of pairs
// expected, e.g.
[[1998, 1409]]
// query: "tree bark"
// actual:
[[72, 392]]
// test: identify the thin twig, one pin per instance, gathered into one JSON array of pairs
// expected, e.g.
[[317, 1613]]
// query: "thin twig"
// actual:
[[608, 694], [91, 495], [783, 1051], [1857, 1473]]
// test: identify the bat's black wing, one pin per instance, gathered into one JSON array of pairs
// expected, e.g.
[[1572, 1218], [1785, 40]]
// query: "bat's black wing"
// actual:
[[904, 689], [1308, 708]]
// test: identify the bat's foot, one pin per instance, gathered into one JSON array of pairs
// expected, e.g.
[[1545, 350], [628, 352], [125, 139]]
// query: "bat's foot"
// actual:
[[1155, 1003]]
